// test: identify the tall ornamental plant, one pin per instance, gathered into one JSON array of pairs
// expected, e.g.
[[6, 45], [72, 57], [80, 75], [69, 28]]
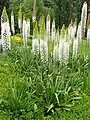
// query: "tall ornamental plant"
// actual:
[[75, 47], [43, 44], [12, 23], [42, 30], [5, 31], [48, 27], [53, 30], [25, 33], [28, 28], [34, 12], [61, 49], [35, 40], [83, 19], [20, 18]]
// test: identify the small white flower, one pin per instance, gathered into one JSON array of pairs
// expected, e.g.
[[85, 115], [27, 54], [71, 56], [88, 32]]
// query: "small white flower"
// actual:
[[20, 18], [61, 51], [35, 46], [44, 49], [28, 28], [56, 53], [25, 33], [5, 31], [48, 27], [75, 47], [53, 31]]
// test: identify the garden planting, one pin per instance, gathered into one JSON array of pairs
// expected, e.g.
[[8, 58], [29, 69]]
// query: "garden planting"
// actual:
[[44, 75]]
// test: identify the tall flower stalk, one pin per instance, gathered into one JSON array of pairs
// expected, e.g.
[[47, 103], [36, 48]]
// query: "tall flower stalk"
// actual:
[[43, 49], [75, 47], [25, 34], [20, 18], [42, 28], [35, 40], [5, 31], [12, 23], [34, 12], [83, 19], [53, 31], [28, 28], [43, 44], [48, 28], [53, 34]]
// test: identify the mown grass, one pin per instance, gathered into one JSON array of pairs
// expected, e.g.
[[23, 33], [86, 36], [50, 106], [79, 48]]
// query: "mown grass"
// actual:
[[29, 87]]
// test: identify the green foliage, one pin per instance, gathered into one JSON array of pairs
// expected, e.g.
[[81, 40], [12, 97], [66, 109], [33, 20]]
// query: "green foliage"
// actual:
[[42, 90], [79, 112]]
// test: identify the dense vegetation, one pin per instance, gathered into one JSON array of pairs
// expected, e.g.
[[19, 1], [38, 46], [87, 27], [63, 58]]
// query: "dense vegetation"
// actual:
[[44, 76], [35, 89], [61, 10]]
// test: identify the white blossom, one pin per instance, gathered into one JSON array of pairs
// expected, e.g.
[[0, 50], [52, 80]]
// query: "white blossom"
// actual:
[[72, 31], [64, 51], [75, 47], [40, 47], [83, 19], [48, 27], [53, 30], [28, 28], [56, 53], [5, 31], [25, 31], [44, 49], [35, 46], [12, 23], [61, 51], [20, 18]]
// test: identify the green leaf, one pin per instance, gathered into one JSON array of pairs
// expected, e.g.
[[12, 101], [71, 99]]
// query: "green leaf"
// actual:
[[50, 107]]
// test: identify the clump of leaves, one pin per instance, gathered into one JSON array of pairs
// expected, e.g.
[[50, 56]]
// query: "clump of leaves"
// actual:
[[46, 85]]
